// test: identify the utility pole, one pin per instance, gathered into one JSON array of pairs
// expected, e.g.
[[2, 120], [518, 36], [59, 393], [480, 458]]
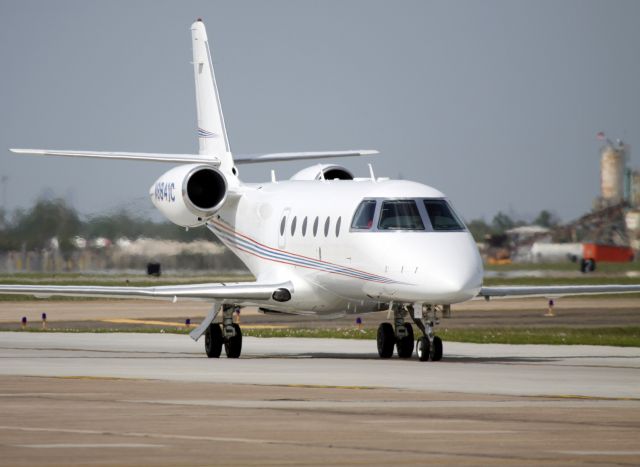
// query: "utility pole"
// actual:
[[4, 179]]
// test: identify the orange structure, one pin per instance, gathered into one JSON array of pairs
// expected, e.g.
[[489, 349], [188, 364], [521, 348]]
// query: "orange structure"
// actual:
[[606, 253]]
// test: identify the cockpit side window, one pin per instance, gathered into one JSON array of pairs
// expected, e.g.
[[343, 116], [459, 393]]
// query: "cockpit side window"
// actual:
[[400, 215], [363, 218], [441, 215]]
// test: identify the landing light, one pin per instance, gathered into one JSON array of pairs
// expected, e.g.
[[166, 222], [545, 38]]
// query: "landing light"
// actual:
[[281, 295]]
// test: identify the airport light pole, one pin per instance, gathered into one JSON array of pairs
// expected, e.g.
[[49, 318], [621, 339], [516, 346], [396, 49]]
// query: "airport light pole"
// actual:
[[4, 179]]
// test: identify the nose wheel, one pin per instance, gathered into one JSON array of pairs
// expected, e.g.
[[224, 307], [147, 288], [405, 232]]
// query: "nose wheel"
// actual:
[[427, 350], [423, 347], [429, 346]]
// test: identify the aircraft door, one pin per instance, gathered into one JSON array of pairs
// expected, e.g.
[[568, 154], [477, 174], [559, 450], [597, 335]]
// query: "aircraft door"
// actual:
[[285, 221]]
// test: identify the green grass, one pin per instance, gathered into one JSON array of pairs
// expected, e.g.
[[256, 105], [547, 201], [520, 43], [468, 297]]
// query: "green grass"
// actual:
[[581, 280], [119, 280], [613, 336], [606, 268]]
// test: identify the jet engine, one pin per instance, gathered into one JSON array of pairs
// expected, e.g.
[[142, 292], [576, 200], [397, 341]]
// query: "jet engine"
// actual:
[[330, 172], [189, 194]]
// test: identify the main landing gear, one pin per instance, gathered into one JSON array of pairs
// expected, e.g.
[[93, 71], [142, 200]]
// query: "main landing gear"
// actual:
[[400, 335], [228, 334]]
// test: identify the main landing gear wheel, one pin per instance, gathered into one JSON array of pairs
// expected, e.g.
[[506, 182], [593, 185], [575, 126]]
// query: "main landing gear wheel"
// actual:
[[233, 345], [405, 345], [386, 340], [213, 341], [423, 349], [436, 349]]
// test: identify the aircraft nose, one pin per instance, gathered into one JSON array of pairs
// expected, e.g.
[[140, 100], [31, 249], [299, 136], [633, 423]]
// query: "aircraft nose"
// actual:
[[455, 274], [460, 280]]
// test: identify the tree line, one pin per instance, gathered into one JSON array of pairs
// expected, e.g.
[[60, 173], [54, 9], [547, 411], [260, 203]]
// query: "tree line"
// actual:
[[502, 222], [34, 228]]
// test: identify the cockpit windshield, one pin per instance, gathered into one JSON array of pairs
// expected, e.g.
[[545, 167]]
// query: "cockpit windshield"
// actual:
[[363, 219], [400, 215], [413, 214], [441, 215]]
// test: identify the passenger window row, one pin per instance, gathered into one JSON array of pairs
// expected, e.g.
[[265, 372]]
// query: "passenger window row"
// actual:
[[316, 223]]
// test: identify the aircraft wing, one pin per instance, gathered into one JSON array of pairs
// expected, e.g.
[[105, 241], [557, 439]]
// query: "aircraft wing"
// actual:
[[554, 291], [135, 156], [236, 292], [296, 156]]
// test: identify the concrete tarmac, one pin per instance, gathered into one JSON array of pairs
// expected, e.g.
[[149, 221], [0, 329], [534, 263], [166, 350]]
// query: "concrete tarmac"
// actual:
[[141, 399]]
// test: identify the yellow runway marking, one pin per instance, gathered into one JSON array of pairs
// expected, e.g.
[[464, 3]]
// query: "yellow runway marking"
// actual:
[[323, 386], [142, 321], [588, 398], [180, 325], [264, 326]]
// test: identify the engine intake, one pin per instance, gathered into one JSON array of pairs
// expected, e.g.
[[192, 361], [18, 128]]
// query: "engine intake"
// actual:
[[189, 194], [320, 171], [206, 189]]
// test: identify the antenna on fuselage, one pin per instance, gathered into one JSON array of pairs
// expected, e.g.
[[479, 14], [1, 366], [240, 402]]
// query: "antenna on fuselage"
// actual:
[[273, 176], [373, 177]]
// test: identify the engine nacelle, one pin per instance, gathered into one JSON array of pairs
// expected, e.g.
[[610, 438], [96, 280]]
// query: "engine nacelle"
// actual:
[[331, 172], [189, 194]]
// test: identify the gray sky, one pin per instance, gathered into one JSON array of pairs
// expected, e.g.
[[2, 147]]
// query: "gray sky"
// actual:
[[495, 103]]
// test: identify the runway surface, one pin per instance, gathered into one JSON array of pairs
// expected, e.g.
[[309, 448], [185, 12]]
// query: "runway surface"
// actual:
[[152, 399], [529, 370]]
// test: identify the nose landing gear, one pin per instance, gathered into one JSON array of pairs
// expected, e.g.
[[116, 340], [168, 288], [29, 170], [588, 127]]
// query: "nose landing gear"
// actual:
[[400, 336], [429, 346]]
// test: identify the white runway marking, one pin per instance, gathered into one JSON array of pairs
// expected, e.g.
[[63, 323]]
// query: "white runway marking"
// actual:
[[135, 434], [368, 404], [600, 453], [452, 432], [90, 446]]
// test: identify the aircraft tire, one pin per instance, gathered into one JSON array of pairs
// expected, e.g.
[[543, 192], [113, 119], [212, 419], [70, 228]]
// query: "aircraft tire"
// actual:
[[233, 345], [386, 340], [404, 346], [423, 349], [436, 349], [213, 341]]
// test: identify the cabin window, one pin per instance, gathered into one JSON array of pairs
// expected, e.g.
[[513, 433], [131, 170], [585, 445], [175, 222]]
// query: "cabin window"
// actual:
[[326, 226], [400, 215], [315, 226], [304, 227], [293, 225], [441, 215], [363, 218], [282, 224], [338, 222]]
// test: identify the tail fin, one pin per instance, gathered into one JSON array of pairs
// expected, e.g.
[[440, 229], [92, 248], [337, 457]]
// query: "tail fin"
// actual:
[[212, 134]]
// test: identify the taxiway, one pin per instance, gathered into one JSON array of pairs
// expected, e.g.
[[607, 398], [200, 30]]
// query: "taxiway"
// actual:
[[125, 399]]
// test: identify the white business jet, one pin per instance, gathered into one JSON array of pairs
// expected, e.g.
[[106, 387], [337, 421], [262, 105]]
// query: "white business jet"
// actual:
[[322, 243]]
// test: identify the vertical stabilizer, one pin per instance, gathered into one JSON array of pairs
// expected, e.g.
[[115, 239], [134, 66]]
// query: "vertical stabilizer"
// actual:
[[212, 134]]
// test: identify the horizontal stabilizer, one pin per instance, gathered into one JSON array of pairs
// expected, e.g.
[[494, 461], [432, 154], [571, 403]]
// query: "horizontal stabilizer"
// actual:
[[236, 292], [296, 156], [555, 291], [134, 156]]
